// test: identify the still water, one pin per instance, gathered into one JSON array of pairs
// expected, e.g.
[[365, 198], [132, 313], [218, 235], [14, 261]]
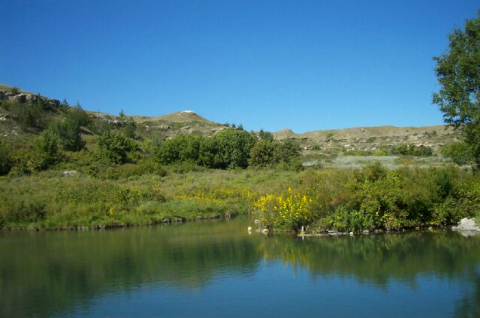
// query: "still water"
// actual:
[[215, 269]]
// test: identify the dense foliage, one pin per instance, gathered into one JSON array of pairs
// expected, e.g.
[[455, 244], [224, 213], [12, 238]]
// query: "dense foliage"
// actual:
[[375, 198], [115, 147], [411, 150], [229, 148], [270, 153], [458, 73], [459, 152], [118, 178]]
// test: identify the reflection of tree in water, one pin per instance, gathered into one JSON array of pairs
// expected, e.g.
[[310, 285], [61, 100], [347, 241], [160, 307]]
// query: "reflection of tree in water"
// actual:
[[377, 259], [55, 272], [52, 273], [469, 306]]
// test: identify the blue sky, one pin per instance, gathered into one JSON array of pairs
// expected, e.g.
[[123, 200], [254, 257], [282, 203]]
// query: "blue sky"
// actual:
[[304, 65]]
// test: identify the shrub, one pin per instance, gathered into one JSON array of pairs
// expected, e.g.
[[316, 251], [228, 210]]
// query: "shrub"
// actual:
[[288, 212], [47, 148], [287, 151], [393, 199], [263, 154], [79, 116], [229, 148], [115, 147], [265, 135], [181, 148], [411, 150], [459, 152], [130, 129], [29, 116], [6, 162], [69, 134]]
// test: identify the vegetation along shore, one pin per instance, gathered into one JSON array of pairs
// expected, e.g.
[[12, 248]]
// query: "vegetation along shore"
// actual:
[[66, 168], [62, 167]]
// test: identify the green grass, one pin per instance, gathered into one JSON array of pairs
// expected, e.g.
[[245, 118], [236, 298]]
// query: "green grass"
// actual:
[[48, 200], [341, 198]]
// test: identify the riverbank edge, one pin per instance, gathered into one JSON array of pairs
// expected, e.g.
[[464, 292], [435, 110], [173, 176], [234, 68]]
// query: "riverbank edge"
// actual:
[[431, 229], [153, 222]]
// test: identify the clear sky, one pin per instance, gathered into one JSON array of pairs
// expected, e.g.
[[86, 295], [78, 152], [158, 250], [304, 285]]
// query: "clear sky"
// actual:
[[271, 64]]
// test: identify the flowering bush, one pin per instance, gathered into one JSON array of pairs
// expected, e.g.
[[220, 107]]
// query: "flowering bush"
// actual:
[[287, 212]]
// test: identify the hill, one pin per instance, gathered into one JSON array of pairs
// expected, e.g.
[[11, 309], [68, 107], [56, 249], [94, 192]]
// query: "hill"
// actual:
[[315, 144], [372, 138]]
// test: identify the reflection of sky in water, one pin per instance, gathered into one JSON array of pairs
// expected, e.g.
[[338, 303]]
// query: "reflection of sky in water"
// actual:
[[277, 291]]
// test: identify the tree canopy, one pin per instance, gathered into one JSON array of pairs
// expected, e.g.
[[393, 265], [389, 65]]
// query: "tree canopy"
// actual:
[[458, 73]]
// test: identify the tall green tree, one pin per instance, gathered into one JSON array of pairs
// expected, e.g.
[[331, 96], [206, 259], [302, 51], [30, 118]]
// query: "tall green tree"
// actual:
[[458, 73]]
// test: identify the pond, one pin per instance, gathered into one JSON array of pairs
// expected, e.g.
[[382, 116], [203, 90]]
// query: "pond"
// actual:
[[216, 269]]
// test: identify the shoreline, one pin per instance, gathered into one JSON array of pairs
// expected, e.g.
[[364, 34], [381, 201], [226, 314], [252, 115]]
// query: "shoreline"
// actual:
[[98, 227]]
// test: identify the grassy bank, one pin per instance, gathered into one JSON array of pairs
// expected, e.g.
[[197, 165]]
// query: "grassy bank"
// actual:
[[372, 198], [341, 200], [49, 200]]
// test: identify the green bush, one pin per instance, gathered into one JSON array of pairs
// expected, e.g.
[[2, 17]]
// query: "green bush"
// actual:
[[115, 148], [6, 161], [69, 134], [411, 150], [263, 154], [459, 152], [29, 116], [287, 151], [265, 135], [393, 199], [130, 129], [29, 210], [47, 148], [229, 148], [181, 148]]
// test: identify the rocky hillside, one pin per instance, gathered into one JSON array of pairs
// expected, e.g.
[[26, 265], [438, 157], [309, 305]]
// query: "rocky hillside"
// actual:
[[164, 126], [342, 141], [371, 139], [186, 121]]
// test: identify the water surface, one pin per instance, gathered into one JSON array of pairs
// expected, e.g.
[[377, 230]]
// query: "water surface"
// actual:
[[215, 268]]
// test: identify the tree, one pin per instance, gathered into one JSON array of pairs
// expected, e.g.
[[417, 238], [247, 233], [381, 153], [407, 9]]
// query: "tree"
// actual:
[[115, 147], [79, 116], [130, 129], [181, 148], [264, 153], [458, 73], [47, 148], [265, 135], [287, 151], [69, 133], [229, 148]]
